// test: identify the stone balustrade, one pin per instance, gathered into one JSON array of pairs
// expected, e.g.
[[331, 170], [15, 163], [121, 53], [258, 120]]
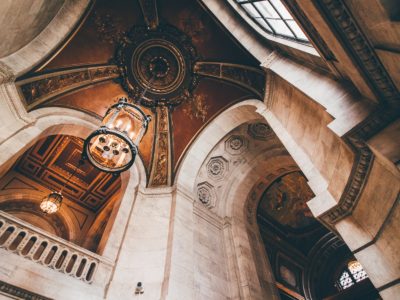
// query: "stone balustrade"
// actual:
[[23, 239]]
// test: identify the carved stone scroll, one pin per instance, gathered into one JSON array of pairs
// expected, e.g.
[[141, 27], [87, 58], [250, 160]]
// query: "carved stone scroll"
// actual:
[[39, 89], [150, 14], [250, 78], [162, 159]]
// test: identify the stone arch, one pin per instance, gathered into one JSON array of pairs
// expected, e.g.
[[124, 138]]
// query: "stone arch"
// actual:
[[235, 208], [43, 43], [51, 121]]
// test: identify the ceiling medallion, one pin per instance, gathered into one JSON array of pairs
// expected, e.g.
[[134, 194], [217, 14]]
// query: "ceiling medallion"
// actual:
[[160, 60]]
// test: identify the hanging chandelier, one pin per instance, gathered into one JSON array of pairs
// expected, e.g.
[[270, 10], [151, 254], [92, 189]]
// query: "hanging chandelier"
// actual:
[[52, 202], [113, 147]]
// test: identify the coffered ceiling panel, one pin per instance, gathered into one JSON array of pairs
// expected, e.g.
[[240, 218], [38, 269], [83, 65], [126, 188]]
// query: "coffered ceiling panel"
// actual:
[[51, 161]]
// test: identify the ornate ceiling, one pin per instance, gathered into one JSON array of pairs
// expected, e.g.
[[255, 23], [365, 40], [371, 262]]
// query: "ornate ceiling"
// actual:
[[51, 161], [188, 66]]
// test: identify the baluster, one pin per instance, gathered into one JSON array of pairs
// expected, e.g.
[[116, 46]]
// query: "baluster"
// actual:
[[11, 238], [65, 262], [34, 247], [3, 238], [24, 241], [86, 269], [93, 265], [55, 258], [76, 265], [45, 252], [4, 227]]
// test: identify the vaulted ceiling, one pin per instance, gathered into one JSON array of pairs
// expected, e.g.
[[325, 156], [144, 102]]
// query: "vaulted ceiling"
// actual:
[[201, 71]]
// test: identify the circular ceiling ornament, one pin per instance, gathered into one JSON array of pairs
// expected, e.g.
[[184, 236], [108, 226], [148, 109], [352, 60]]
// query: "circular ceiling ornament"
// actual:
[[160, 61]]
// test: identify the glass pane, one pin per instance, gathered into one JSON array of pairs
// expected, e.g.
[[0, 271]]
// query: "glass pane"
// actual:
[[280, 27], [297, 30], [263, 24], [251, 10], [266, 9], [281, 9]]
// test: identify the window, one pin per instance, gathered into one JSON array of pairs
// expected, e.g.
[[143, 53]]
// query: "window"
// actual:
[[273, 17], [352, 274]]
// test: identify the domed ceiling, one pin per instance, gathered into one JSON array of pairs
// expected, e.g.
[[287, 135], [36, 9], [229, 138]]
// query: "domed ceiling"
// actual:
[[170, 57]]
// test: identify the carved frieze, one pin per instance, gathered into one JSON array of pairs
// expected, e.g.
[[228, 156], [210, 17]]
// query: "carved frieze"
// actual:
[[250, 78], [360, 48], [44, 87], [19, 293]]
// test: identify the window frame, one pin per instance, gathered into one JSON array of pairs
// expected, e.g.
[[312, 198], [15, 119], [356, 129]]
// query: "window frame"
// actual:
[[273, 32]]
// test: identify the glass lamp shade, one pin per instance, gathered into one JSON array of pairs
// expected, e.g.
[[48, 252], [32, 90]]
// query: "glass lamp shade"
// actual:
[[51, 203], [113, 147]]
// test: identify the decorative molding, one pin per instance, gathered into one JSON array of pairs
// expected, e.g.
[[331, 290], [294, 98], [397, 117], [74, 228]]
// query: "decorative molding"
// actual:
[[41, 88], [363, 161], [250, 78], [19, 293], [160, 61], [150, 14], [236, 144], [360, 49], [206, 194], [162, 159], [260, 131], [217, 167]]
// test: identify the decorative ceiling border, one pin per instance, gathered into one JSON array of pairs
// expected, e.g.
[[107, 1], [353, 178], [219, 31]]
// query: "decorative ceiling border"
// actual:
[[39, 89], [9, 289], [361, 50], [247, 77], [363, 162]]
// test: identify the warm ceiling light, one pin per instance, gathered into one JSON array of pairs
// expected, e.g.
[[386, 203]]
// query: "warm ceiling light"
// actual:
[[113, 147], [51, 203]]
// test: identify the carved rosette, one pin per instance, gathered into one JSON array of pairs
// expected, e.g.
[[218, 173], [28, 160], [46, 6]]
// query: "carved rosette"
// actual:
[[260, 131], [159, 60], [217, 167], [236, 144], [206, 194]]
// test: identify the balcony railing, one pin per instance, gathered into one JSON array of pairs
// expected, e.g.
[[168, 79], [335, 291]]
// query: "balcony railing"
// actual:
[[50, 251]]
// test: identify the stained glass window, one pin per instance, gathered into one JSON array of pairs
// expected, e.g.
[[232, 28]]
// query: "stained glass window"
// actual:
[[273, 17], [352, 274]]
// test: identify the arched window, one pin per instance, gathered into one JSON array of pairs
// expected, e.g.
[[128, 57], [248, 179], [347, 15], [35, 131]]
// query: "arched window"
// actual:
[[352, 274], [273, 17]]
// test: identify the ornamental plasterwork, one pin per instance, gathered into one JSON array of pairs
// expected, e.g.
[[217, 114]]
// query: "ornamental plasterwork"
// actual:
[[260, 131], [230, 154], [206, 194], [217, 167], [236, 144]]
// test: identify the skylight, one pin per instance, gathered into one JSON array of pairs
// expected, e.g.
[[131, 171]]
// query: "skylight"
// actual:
[[273, 17]]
